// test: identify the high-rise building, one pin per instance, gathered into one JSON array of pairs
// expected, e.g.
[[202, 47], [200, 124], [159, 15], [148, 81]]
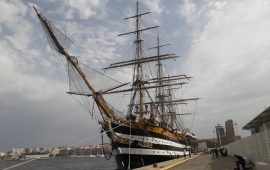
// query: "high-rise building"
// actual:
[[221, 138], [229, 131]]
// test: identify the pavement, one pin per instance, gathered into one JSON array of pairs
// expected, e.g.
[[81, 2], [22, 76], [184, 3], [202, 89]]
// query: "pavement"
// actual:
[[202, 162], [168, 164], [206, 162], [196, 162], [223, 163]]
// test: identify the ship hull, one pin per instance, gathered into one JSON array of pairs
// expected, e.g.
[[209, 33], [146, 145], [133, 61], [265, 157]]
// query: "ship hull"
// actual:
[[137, 161], [147, 147]]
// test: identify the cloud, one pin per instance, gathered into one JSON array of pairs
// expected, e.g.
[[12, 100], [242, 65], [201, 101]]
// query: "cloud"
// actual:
[[34, 107], [93, 43], [10, 11], [11, 17], [87, 8], [189, 10], [154, 6], [229, 59]]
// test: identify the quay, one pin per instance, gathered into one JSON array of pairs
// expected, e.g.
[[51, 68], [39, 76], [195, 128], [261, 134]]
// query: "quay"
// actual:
[[196, 162], [255, 149]]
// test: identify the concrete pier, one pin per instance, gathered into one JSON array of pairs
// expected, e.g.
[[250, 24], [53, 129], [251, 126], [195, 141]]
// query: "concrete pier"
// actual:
[[168, 164], [196, 162]]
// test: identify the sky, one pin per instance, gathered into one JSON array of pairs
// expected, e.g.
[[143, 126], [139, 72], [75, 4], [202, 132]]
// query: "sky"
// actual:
[[222, 44]]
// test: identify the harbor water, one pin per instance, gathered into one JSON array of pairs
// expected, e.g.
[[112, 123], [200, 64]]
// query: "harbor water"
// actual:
[[97, 163]]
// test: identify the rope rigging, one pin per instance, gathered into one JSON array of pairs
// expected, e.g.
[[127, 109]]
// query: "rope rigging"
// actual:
[[103, 150], [92, 85]]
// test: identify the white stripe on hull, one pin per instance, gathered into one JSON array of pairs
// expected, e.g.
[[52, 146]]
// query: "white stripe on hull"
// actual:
[[153, 140], [141, 151]]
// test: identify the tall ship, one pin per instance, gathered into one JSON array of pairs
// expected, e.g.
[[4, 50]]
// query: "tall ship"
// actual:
[[151, 128]]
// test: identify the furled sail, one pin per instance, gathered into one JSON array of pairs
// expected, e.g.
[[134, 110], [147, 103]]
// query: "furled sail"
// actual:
[[100, 81], [61, 37]]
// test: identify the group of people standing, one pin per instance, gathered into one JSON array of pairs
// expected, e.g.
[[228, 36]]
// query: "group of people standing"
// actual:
[[222, 151]]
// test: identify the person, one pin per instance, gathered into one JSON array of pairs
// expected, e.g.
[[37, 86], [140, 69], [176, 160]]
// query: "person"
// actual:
[[225, 152], [221, 152], [216, 152], [213, 152], [240, 161]]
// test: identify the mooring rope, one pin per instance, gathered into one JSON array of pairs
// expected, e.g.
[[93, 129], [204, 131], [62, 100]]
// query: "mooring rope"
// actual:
[[20, 164], [103, 150]]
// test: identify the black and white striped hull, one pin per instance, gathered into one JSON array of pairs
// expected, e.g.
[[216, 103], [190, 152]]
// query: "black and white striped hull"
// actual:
[[148, 148]]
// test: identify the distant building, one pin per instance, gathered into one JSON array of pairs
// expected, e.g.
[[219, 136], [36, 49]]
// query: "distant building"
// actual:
[[259, 123], [63, 152], [2, 154], [43, 149], [87, 151], [27, 151], [36, 150], [202, 146], [221, 137], [230, 135], [55, 152], [17, 150], [78, 151]]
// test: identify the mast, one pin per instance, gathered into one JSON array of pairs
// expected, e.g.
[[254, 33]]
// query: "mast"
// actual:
[[48, 28], [160, 94], [139, 76], [173, 111], [138, 81], [165, 100], [159, 80]]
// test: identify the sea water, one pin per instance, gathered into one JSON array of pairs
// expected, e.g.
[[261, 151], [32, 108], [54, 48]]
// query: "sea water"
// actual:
[[97, 163]]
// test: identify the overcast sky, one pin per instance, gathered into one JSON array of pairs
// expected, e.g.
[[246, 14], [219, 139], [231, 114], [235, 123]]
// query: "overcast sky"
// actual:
[[224, 45]]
